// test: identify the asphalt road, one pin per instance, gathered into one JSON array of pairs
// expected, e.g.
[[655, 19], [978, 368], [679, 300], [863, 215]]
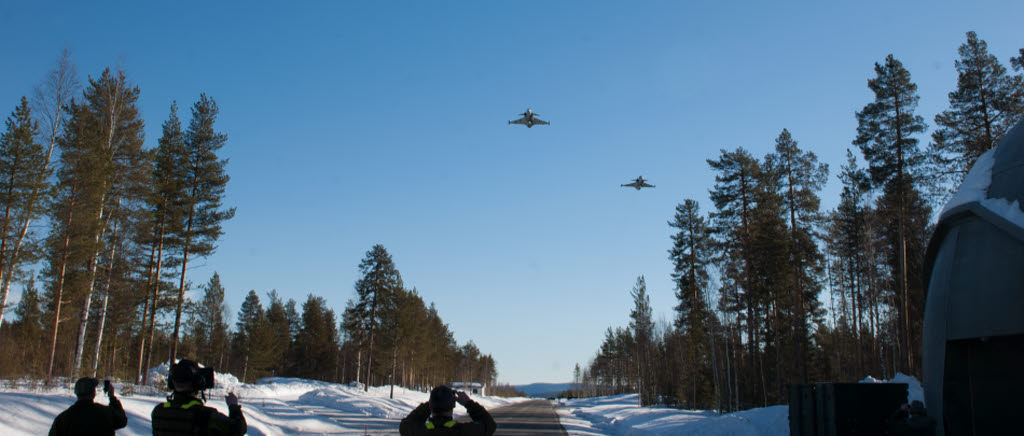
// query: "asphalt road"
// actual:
[[535, 417]]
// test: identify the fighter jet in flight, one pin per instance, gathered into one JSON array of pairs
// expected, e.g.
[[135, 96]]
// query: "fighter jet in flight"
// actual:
[[638, 183], [529, 119]]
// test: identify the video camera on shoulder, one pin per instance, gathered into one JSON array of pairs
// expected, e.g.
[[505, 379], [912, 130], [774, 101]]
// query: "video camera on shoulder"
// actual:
[[187, 371]]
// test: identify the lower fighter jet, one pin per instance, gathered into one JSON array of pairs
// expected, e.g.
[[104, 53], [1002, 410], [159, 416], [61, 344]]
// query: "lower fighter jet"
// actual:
[[638, 183], [529, 119]]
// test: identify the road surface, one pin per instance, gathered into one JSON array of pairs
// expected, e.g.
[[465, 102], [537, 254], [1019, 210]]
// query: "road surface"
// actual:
[[535, 417]]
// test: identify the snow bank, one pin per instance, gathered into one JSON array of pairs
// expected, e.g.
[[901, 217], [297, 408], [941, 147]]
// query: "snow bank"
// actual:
[[272, 406], [620, 415], [914, 389]]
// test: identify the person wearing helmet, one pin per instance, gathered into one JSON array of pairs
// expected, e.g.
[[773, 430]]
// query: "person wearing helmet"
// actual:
[[435, 416], [88, 418], [185, 414]]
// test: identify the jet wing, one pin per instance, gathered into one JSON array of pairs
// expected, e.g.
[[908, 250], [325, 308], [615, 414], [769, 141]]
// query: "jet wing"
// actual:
[[538, 121], [647, 185], [630, 185], [522, 120]]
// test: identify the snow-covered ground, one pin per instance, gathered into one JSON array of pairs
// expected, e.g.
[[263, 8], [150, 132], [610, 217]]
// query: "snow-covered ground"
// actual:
[[273, 406], [620, 415], [290, 406]]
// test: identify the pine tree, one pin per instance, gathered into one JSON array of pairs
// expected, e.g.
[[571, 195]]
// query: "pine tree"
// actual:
[[402, 331], [641, 325], [986, 103], [376, 288], [277, 319], [802, 177], [101, 154], [691, 254], [317, 342], [210, 329], [735, 198], [294, 320], [203, 187], [772, 281], [248, 339], [165, 211], [849, 242], [22, 174], [63, 246], [28, 330], [885, 135], [1018, 62]]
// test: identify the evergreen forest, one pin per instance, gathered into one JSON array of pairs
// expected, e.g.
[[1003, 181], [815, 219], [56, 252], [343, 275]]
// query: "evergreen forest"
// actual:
[[771, 290], [100, 233]]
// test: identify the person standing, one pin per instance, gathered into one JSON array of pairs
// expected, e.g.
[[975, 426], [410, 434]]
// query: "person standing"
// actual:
[[184, 414], [435, 416], [85, 417]]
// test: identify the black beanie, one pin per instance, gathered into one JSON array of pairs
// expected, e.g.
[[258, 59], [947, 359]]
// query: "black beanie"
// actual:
[[85, 388], [442, 399]]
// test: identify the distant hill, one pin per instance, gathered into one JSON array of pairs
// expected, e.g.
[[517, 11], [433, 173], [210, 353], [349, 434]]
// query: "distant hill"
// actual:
[[544, 390]]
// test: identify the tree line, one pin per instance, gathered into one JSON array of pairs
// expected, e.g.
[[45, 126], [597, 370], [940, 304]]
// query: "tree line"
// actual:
[[101, 231], [771, 290]]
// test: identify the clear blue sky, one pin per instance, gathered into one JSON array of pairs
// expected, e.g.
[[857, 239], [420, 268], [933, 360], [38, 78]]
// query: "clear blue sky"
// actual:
[[357, 123]]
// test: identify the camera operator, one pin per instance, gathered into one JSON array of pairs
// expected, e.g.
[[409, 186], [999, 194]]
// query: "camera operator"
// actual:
[[185, 414], [88, 418]]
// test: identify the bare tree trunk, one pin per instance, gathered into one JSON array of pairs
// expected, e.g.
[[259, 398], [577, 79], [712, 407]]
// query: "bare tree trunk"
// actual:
[[3, 250], [832, 310], [799, 330], [145, 314], [778, 346], [359, 365], [156, 287], [99, 334], [714, 358], [106, 292], [84, 318], [394, 364], [369, 353], [60, 282], [181, 285], [113, 367], [845, 344]]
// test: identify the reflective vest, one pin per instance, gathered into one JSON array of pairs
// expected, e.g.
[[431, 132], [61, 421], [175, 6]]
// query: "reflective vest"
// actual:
[[431, 426], [190, 418]]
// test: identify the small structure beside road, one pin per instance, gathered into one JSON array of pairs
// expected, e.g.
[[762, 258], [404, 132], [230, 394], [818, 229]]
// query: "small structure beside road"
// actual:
[[470, 388]]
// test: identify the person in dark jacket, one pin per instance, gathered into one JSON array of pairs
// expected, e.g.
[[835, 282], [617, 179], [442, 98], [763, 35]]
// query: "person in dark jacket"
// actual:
[[184, 414], [88, 418], [434, 417]]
